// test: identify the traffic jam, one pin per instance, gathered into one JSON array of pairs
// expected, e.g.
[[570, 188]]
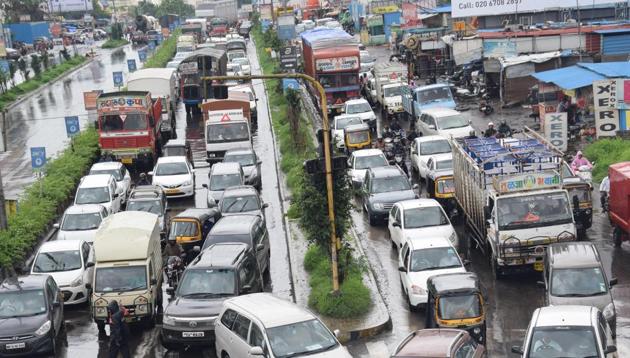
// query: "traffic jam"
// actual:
[[170, 232]]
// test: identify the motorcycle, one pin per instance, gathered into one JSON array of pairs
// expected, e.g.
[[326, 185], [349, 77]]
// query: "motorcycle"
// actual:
[[174, 269], [484, 104], [399, 159]]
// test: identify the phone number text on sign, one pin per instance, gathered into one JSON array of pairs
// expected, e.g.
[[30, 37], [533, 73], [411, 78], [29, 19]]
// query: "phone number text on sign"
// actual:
[[486, 6]]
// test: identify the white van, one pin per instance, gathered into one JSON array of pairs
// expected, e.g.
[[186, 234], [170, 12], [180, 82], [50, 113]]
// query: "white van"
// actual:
[[128, 267], [99, 189], [263, 325]]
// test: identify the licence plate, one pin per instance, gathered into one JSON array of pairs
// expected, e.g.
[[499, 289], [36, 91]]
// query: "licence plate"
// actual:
[[126, 160], [17, 345], [192, 334], [171, 191], [211, 155], [538, 266]]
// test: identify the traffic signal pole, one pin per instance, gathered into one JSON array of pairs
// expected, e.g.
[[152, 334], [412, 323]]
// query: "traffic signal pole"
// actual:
[[334, 242]]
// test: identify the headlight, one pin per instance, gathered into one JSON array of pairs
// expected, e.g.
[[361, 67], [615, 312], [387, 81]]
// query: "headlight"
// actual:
[[566, 236], [453, 239], [378, 206], [140, 300], [168, 320], [77, 282], [509, 250], [43, 329], [142, 309], [588, 211], [477, 330], [417, 290], [609, 311]]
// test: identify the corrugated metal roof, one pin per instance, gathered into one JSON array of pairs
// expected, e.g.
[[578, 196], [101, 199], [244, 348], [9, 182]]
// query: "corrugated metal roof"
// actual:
[[613, 31], [569, 77], [608, 69]]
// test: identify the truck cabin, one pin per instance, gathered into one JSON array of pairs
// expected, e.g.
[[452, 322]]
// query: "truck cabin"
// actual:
[[434, 96], [339, 79], [392, 89], [133, 113], [202, 62]]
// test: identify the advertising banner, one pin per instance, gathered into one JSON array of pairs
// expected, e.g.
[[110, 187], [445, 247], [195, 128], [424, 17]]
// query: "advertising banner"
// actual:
[[605, 94], [499, 48], [467, 8], [89, 99], [57, 6], [337, 64], [556, 129]]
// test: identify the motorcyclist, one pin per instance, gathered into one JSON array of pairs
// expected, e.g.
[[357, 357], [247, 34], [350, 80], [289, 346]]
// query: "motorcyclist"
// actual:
[[472, 135], [173, 248], [144, 180], [490, 132], [604, 190], [504, 129], [579, 161]]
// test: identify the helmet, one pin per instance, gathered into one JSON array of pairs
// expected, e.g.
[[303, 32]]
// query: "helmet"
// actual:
[[503, 122], [490, 124], [143, 175]]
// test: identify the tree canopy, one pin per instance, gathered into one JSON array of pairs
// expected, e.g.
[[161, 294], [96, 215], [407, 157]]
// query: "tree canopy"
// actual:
[[12, 10]]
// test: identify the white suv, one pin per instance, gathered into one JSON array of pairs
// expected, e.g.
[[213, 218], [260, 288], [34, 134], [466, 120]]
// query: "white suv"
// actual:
[[567, 331], [261, 324], [418, 218], [99, 189]]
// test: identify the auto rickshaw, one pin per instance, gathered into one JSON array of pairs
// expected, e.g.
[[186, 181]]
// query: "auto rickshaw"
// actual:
[[357, 136], [455, 301], [191, 226], [581, 202], [441, 187]]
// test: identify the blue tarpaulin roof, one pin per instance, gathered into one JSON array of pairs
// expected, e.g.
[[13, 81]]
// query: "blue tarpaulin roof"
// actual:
[[609, 69], [612, 31], [323, 34], [584, 74]]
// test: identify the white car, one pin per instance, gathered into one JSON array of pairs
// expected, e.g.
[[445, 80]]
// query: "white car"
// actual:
[[425, 147], [361, 107], [418, 218], [249, 90], [173, 64], [67, 262], [244, 63], [339, 124], [361, 160], [175, 176], [98, 189], [367, 61], [233, 69], [120, 173], [439, 163], [443, 121], [181, 55], [421, 258], [80, 222]]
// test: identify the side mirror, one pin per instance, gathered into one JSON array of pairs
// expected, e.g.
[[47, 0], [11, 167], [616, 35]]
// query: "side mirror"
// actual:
[[258, 162], [56, 225], [337, 333], [89, 264], [395, 224], [517, 349], [196, 249], [204, 186], [613, 281], [541, 284], [170, 291], [265, 205], [88, 286], [610, 349], [467, 263], [256, 351], [154, 281], [246, 289], [260, 247], [58, 304], [415, 186], [150, 173], [402, 269], [431, 126], [487, 212]]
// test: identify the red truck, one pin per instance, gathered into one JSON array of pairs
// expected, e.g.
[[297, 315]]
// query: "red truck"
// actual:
[[619, 201], [331, 56], [129, 127]]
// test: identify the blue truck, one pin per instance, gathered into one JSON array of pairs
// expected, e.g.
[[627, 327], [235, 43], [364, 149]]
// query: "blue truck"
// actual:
[[417, 99], [28, 32]]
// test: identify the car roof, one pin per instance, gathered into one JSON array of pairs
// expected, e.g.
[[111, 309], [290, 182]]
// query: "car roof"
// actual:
[[146, 192], [433, 342], [176, 142], [239, 151], [421, 243], [357, 101], [456, 282], [440, 112], [172, 159], [234, 224], [23, 282], [385, 172], [270, 310], [367, 152], [442, 156], [568, 315], [95, 180], [226, 168], [430, 138], [240, 190], [222, 254], [84, 209], [60, 245], [106, 165], [417, 203], [197, 213], [573, 254]]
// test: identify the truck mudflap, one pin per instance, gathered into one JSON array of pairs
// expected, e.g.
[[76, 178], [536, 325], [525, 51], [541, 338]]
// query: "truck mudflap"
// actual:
[[517, 252]]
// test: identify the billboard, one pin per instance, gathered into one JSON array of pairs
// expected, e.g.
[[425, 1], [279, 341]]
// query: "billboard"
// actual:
[[69, 5], [468, 8]]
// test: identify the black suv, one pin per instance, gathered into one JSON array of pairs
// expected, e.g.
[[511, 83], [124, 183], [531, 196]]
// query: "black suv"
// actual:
[[219, 272], [31, 315], [150, 199]]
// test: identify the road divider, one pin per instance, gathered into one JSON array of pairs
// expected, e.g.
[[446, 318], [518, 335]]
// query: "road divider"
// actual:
[[113, 43], [164, 53]]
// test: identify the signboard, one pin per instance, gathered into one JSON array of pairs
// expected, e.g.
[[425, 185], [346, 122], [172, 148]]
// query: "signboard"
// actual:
[[266, 11], [118, 78], [605, 94], [142, 55], [288, 58], [384, 9], [606, 122], [72, 125], [171, 27], [38, 157], [57, 6], [4, 66], [409, 13], [188, 68], [89, 99], [151, 45], [225, 115], [606, 113], [337, 64], [111, 104], [526, 182], [555, 129], [131, 64], [247, 7], [499, 48], [468, 8], [290, 83]]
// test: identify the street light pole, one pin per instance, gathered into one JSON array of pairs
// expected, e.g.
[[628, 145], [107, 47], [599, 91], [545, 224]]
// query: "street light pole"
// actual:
[[327, 155]]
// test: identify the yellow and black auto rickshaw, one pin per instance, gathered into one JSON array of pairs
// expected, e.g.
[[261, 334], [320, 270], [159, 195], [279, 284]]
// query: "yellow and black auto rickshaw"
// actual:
[[581, 202], [441, 187], [455, 301], [191, 226], [357, 136]]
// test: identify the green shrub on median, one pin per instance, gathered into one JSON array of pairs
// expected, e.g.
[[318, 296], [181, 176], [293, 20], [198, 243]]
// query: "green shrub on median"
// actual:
[[112, 43], [164, 53], [43, 200], [606, 152]]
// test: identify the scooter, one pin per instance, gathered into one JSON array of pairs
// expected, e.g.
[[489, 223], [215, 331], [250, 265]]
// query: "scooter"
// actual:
[[484, 104]]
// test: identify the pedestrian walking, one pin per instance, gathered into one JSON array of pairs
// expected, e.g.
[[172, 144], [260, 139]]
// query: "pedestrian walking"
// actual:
[[119, 331], [604, 190]]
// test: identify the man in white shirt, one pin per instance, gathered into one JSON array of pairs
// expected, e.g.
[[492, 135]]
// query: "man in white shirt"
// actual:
[[604, 190]]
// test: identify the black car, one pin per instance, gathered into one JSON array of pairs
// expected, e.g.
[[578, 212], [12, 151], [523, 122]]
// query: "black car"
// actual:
[[250, 163], [31, 315], [219, 272], [382, 188]]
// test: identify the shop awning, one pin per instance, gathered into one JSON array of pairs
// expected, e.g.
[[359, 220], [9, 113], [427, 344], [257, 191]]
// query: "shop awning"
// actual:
[[569, 78]]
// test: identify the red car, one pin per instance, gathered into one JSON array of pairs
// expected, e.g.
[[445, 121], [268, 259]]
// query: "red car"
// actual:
[[438, 343]]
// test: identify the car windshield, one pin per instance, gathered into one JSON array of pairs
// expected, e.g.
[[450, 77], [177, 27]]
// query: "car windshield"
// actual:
[[165, 169], [433, 259], [563, 341], [149, 206], [183, 228], [358, 108], [239, 204], [227, 132], [445, 186], [92, 195], [126, 121], [444, 164], [392, 91], [244, 160], [117, 279], [57, 261], [358, 137], [435, 147], [583, 194], [222, 181], [22, 303], [459, 307], [423, 217], [389, 184], [370, 161], [76, 222], [451, 122], [114, 172], [341, 123], [434, 95], [300, 339], [235, 55], [534, 210], [578, 282], [175, 151], [241, 61], [233, 67], [206, 283]]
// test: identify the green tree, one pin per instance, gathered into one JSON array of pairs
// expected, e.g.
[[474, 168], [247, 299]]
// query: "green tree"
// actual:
[[98, 11], [36, 65], [145, 8], [178, 7], [12, 10], [22, 65]]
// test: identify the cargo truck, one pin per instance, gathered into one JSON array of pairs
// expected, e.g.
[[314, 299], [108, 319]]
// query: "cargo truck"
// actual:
[[619, 201], [510, 193], [390, 78], [228, 125]]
